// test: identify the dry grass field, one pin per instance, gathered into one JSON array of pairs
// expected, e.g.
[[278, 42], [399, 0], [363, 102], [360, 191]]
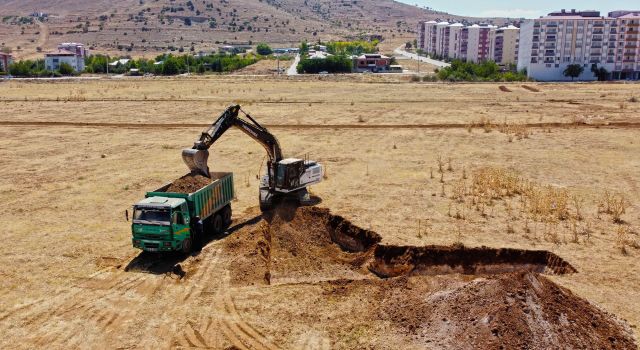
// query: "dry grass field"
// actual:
[[544, 166]]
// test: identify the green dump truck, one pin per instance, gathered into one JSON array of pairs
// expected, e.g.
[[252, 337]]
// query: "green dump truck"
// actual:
[[174, 221]]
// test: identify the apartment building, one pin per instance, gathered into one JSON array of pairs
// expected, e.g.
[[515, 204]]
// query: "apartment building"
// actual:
[[504, 45], [442, 39], [470, 43], [548, 45], [627, 62], [455, 40]]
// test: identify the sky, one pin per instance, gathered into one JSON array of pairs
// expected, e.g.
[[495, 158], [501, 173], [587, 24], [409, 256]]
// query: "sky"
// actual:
[[527, 9]]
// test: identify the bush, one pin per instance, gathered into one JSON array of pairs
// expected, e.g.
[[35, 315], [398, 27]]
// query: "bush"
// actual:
[[264, 49], [485, 71], [66, 69]]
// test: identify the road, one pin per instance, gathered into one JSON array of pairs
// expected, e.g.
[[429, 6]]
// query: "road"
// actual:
[[413, 56], [292, 69]]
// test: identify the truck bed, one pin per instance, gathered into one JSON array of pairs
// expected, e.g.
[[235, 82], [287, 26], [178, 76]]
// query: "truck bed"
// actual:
[[206, 200]]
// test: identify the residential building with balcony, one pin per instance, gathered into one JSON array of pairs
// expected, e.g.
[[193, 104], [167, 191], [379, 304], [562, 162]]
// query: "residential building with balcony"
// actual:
[[479, 42], [548, 45], [442, 39], [504, 45]]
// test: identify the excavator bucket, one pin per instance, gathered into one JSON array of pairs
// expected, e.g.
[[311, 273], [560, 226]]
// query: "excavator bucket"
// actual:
[[196, 160]]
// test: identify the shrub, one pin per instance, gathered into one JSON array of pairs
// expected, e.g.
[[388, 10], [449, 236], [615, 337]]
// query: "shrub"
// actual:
[[66, 69], [264, 49]]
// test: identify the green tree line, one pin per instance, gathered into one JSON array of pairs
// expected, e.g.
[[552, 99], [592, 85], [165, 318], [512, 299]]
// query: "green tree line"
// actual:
[[168, 65], [331, 64]]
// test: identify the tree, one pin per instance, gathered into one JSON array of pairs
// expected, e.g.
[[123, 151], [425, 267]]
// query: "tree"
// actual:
[[600, 73], [573, 71], [264, 49], [187, 21], [170, 66], [408, 45], [65, 69]]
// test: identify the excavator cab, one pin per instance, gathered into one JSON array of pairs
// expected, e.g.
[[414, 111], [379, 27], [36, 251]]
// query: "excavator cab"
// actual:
[[288, 173]]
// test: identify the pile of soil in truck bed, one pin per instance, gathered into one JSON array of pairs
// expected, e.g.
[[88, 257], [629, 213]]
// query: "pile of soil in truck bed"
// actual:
[[335, 276], [188, 184]]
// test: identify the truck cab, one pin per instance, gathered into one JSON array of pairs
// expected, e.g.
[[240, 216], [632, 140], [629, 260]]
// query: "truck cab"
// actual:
[[161, 224]]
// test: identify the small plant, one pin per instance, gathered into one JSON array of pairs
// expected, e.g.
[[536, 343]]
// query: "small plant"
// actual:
[[633, 99], [440, 164], [613, 204]]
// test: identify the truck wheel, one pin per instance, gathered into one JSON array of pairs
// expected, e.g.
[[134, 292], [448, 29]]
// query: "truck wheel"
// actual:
[[187, 245], [218, 224], [226, 216]]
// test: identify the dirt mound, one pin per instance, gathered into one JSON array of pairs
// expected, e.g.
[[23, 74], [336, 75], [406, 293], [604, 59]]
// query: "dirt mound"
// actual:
[[188, 183], [433, 296], [316, 245], [530, 88], [391, 261], [508, 311]]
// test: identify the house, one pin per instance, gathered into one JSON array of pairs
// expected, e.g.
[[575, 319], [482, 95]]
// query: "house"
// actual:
[[52, 60], [76, 48], [5, 61], [371, 62], [287, 50]]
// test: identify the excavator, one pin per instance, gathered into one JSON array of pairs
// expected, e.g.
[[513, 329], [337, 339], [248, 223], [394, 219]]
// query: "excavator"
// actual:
[[284, 177]]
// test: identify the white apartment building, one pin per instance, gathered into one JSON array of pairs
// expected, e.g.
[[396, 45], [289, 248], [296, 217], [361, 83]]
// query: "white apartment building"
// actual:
[[479, 42], [548, 45], [455, 36], [442, 39], [504, 45], [52, 60]]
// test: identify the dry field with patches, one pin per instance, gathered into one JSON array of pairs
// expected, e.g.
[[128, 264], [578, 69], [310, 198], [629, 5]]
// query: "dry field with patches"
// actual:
[[543, 167]]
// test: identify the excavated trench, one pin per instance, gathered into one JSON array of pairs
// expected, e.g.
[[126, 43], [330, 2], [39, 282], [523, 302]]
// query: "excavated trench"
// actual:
[[334, 240], [422, 297]]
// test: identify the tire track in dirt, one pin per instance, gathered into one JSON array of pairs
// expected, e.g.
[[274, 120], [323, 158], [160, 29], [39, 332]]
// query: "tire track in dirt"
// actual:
[[235, 329], [556, 125], [195, 334], [86, 306]]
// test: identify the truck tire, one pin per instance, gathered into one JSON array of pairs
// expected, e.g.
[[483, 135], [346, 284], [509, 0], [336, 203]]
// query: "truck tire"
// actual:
[[187, 245], [226, 216], [218, 224]]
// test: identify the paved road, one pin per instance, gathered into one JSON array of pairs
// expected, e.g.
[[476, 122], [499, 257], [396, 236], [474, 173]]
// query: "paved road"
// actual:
[[413, 56], [292, 69]]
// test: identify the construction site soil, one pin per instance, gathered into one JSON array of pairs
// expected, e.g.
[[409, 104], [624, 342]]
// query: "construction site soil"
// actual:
[[191, 182], [433, 296]]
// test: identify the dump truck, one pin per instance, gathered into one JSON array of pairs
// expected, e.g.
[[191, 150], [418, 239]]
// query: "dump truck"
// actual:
[[172, 221]]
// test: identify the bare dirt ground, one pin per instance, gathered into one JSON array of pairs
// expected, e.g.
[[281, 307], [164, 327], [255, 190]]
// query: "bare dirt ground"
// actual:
[[405, 160]]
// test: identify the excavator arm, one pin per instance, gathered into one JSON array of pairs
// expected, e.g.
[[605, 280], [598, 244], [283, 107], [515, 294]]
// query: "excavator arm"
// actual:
[[196, 157]]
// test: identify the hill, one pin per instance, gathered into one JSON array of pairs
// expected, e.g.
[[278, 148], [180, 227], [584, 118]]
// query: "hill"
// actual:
[[148, 27]]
